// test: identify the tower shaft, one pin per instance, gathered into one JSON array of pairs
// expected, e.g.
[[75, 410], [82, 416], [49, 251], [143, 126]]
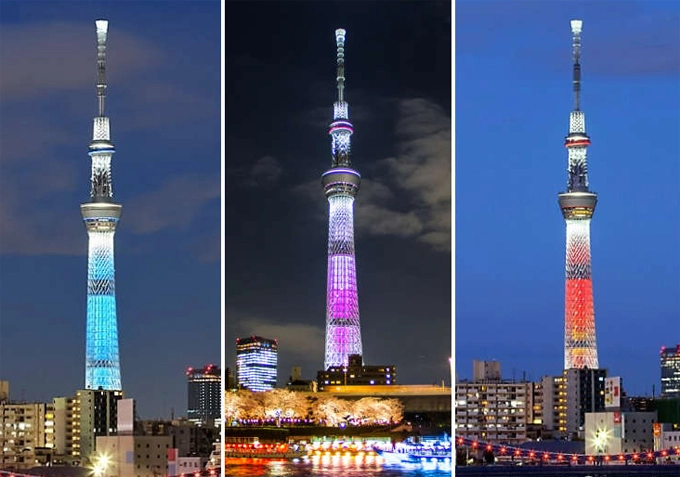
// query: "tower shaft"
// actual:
[[341, 184], [578, 205], [101, 216]]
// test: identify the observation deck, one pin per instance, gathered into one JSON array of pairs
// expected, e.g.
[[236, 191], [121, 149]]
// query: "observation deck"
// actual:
[[341, 181], [577, 205]]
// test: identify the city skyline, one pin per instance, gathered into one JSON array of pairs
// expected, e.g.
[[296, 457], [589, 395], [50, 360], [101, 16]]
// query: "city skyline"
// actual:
[[513, 98], [277, 146], [163, 99]]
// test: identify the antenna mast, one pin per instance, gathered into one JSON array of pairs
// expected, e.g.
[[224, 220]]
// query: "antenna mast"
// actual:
[[340, 42], [576, 26], [102, 28]]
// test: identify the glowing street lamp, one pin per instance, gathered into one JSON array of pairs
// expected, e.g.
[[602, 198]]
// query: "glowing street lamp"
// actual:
[[101, 465]]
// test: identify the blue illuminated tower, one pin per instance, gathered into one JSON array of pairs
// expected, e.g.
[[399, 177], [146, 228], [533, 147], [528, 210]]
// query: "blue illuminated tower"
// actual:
[[101, 215]]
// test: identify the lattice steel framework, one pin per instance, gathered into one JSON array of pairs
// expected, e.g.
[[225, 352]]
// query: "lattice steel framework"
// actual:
[[341, 184], [578, 206], [101, 216]]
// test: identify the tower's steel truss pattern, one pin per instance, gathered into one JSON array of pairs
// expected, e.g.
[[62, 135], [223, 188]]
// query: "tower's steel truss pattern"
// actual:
[[341, 184], [101, 216], [578, 206]]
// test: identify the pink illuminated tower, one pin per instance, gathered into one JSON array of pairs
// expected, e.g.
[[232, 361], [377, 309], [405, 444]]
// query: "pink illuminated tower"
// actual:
[[341, 184], [578, 206]]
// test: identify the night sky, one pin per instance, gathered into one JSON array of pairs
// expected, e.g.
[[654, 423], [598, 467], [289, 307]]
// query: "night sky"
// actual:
[[280, 88], [513, 98], [163, 62]]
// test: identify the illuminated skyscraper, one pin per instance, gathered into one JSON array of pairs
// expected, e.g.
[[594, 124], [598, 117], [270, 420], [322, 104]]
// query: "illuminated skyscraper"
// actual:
[[204, 390], [101, 215], [578, 206], [256, 362], [341, 184], [670, 372]]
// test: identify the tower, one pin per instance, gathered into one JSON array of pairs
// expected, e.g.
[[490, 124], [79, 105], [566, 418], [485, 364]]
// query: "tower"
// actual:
[[101, 215], [578, 205], [341, 184]]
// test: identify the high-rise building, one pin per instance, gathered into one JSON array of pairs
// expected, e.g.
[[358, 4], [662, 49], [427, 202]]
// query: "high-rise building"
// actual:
[[670, 372], [96, 415], [578, 205], [256, 363], [101, 216], [204, 390], [341, 184], [585, 392], [554, 412]]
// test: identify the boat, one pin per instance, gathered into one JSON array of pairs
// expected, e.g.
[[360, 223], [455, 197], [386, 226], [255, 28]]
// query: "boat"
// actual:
[[215, 459], [415, 450], [252, 448]]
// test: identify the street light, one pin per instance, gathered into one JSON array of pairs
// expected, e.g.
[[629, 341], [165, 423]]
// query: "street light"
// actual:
[[101, 464]]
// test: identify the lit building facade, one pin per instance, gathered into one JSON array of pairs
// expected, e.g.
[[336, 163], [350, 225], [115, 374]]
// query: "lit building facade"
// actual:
[[204, 390], [26, 435], [66, 432], [670, 372], [356, 374], [101, 216], [256, 363], [341, 185], [578, 205], [495, 411], [554, 409]]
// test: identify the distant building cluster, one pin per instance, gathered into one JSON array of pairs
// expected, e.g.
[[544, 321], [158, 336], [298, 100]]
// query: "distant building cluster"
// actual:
[[585, 407], [77, 430]]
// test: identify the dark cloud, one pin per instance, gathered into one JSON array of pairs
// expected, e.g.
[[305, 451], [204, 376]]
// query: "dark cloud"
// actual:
[[266, 171], [174, 204], [41, 67]]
